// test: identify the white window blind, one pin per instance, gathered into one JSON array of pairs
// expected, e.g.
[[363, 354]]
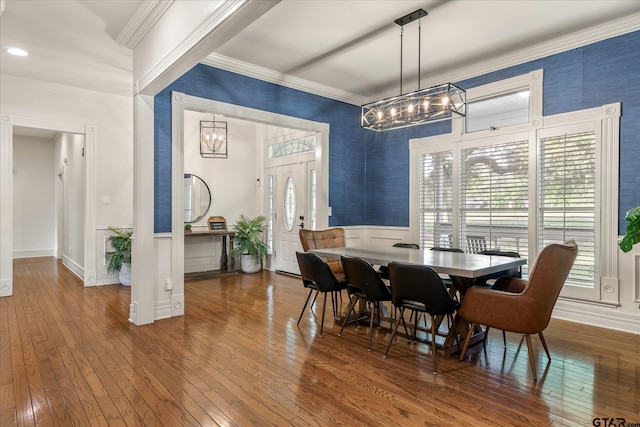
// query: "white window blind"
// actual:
[[435, 204], [494, 197], [567, 198]]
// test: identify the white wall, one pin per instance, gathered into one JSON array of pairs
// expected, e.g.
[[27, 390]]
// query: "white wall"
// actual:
[[33, 197], [112, 118], [70, 162], [231, 181]]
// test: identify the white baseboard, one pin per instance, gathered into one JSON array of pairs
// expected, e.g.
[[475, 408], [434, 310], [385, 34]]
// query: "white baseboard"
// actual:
[[74, 267], [33, 253], [604, 317]]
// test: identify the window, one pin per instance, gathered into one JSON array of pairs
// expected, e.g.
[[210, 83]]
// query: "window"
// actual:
[[567, 196], [436, 192], [498, 111], [524, 186], [494, 196], [289, 204], [293, 147]]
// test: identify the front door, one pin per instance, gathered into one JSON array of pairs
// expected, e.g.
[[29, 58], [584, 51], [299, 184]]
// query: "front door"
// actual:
[[290, 213]]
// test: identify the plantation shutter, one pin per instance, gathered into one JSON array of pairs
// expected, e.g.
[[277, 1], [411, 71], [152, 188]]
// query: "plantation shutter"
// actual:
[[494, 197], [567, 198], [436, 199]]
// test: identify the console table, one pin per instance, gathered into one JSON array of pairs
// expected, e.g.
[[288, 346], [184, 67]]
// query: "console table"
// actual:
[[227, 261]]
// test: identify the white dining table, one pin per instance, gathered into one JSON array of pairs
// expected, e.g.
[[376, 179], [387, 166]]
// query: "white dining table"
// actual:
[[463, 269], [470, 266]]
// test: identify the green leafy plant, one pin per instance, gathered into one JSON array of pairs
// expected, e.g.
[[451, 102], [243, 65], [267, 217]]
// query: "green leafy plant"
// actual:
[[248, 238], [187, 227], [632, 235], [121, 254]]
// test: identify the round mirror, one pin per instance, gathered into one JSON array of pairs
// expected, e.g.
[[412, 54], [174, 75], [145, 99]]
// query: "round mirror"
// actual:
[[197, 198]]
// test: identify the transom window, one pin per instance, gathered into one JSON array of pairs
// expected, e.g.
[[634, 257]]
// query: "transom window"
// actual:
[[498, 111], [293, 147]]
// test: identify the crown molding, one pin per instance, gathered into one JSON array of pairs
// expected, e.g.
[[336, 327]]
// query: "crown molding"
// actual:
[[271, 76], [594, 34], [141, 22]]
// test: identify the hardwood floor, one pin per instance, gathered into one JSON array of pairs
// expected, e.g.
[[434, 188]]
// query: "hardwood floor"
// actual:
[[69, 356]]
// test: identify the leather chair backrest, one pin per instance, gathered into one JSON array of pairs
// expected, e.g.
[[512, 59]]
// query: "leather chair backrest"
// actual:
[[419, 283], [315, 271], [514, 272], [360, 274], [320, 239], [546, 278], [456, 250], [406, 245]]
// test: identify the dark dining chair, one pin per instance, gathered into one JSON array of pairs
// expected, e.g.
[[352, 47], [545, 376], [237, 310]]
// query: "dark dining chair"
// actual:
[[364, 283], [317, 276], [476, 244], [383, 270], [445, 277], [420, 289], [528, 310]]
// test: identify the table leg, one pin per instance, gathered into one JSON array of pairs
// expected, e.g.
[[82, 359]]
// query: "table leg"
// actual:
[[460, 327], [232, 259], [223, 257]]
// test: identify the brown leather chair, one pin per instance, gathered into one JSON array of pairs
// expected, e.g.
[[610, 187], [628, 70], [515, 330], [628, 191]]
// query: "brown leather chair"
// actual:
[[522, 306], [320, 239]]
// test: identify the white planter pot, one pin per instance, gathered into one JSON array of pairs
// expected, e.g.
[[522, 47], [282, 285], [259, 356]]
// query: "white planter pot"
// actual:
[[125, 274], [249, 264]]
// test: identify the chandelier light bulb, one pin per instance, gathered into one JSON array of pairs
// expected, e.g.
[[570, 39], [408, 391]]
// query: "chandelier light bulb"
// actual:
[[379, 115], [393, 111], [410, 108], [445, 101]]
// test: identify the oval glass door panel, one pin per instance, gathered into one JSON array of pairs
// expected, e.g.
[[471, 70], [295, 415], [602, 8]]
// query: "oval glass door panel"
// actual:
[[289, 204]]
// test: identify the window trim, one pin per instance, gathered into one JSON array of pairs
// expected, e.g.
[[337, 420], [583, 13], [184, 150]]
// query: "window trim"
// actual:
[[606, 290]]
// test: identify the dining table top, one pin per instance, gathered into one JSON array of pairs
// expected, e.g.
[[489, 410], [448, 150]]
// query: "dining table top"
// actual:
[[465, 265]]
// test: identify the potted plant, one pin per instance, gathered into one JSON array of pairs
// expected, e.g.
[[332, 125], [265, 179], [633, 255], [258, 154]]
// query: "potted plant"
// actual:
[[119, 259], [248, 244], [632, 235], [187, 228]]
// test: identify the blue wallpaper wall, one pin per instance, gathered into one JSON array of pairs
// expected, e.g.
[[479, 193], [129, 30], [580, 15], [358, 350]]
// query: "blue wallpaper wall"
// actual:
[[369, 171], [586, 77], [346, 160]]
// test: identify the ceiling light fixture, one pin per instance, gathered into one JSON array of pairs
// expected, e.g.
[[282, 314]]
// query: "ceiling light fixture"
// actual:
[[433, 104], [17, 51], [213, 138]]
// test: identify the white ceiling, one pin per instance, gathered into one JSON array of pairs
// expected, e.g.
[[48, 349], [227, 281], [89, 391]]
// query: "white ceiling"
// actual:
[[351, 47]]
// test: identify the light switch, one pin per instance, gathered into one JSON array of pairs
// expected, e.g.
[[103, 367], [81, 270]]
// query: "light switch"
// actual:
[[105, 200]]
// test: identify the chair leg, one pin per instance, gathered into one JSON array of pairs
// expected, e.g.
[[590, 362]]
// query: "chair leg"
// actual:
[[484, 341], [372, 311], [315, 298], [305, 306], [415, 327], [467, 340], [532, 360], [324, 306], [404, 324], [393, 334], [433, 343], [350, 308], [504, 338], [544, 344]]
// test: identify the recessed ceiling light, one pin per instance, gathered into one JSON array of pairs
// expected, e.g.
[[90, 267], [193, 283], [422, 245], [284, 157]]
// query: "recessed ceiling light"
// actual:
[[17, 51]]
